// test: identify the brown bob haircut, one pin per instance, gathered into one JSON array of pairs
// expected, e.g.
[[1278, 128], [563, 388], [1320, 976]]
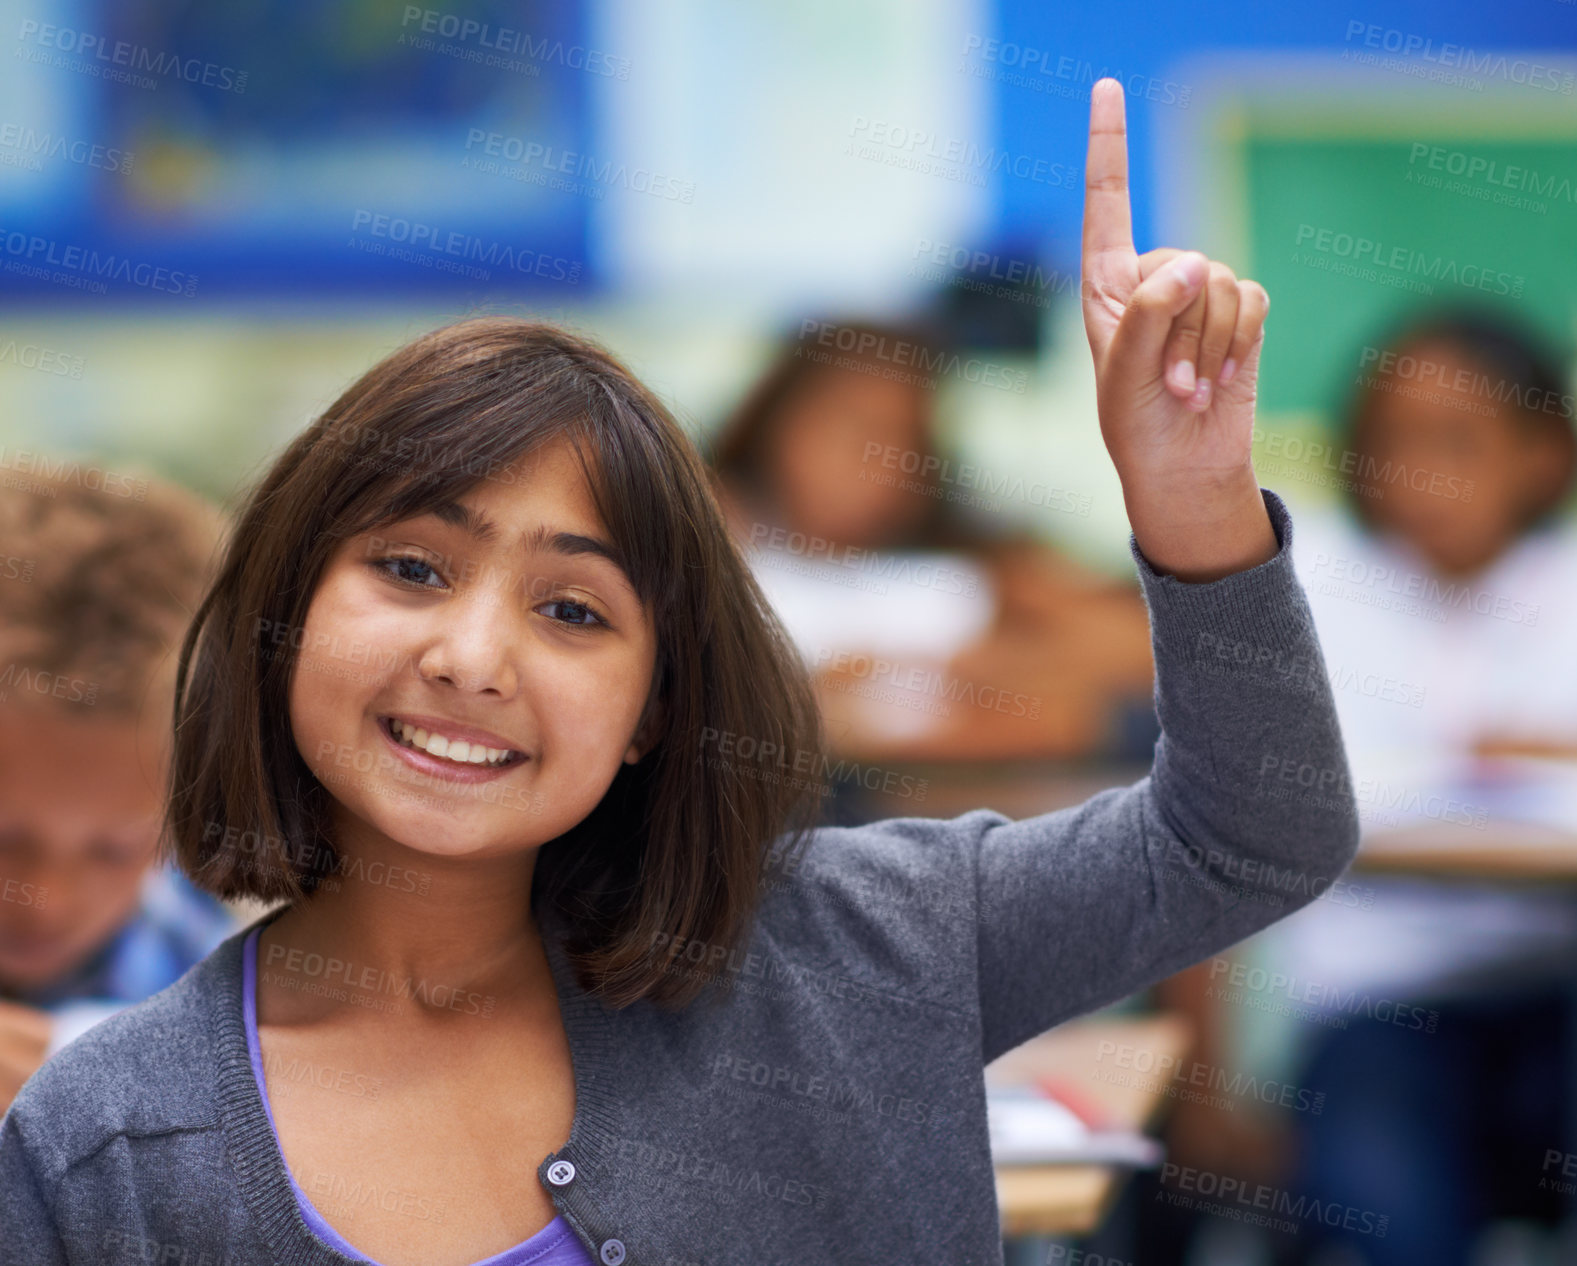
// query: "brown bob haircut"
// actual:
[[681, 841]]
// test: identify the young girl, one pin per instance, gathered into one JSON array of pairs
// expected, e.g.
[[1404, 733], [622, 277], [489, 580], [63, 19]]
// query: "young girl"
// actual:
[[562, 974]]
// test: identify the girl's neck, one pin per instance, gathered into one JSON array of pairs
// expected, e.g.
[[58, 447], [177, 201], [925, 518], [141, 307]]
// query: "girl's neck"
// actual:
[[439, 933]]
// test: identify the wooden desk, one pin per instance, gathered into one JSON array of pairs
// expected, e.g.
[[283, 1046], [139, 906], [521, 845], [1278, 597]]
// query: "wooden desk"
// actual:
[[1072, 1199], [1499, 851]]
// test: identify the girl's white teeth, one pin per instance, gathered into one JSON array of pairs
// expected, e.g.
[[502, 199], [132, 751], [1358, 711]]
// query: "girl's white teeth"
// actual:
[[438, 745]]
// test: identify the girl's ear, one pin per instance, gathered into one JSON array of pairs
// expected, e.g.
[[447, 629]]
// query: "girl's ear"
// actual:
[[647, 732]]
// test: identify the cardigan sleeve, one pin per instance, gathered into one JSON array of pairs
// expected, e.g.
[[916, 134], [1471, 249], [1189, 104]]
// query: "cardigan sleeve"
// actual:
[[1247, 814], [27, 1226]]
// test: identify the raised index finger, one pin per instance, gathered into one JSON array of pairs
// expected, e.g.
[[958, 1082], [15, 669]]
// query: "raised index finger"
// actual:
[[1108, 224]]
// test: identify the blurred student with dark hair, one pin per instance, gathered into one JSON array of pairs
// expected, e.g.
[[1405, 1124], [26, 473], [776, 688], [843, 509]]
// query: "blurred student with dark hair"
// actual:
[[97, 581], [1445, 597], [950, 635]]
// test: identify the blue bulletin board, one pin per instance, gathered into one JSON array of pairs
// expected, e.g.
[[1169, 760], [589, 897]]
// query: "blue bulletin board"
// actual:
[[151, 153]]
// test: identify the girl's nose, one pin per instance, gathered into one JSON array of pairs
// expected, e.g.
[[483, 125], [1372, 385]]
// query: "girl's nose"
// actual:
[[474, 648]]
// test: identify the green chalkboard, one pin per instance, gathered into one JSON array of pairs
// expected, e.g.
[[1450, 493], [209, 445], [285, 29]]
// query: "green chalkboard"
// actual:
[[1350, 232]]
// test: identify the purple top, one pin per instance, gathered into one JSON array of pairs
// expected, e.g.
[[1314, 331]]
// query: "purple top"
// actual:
[[554, 1245]]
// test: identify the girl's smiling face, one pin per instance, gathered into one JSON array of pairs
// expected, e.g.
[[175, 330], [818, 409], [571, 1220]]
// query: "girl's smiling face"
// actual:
[[501, 622]]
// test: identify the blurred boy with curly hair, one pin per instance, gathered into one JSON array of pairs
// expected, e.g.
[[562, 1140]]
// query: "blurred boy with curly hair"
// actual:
[[99, 574]]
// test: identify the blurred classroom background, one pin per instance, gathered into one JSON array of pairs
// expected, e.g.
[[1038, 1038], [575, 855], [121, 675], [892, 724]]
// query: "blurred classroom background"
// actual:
[[841, 242]]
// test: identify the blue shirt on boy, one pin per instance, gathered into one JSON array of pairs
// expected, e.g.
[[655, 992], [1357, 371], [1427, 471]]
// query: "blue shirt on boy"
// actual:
[[175, 926]]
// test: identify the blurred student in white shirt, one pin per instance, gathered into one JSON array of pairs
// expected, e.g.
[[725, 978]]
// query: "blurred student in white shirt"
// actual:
[[1436, 1014]]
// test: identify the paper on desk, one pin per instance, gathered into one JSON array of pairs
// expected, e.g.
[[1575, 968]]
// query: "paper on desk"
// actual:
[[1029, 1128], [1529, 789], [1397, 793], [916, 605]]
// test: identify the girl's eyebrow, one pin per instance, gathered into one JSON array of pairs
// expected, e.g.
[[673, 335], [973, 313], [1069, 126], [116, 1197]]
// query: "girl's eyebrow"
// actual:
[[568, 544]]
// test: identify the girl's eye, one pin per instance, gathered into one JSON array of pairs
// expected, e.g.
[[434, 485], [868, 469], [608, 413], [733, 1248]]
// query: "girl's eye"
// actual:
[[579, 615], [406, 569], [416, 573]]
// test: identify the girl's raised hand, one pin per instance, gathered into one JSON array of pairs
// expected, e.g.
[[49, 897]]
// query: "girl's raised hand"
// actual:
[[1176, 339]]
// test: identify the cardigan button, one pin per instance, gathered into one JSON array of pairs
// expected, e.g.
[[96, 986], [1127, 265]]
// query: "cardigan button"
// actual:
[[560, 1172], [613, 1252]]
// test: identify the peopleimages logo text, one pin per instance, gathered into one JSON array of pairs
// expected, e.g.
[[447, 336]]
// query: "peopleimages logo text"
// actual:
[[462, 245], [917, 142], [36, 145], [1364, 574], [515, 43], [42, 252], [1517, 70], [1361, 250], [135, 57]]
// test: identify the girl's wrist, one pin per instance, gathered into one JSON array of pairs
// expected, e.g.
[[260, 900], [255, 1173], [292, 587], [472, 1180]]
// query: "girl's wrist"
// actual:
[[1200, 533]]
